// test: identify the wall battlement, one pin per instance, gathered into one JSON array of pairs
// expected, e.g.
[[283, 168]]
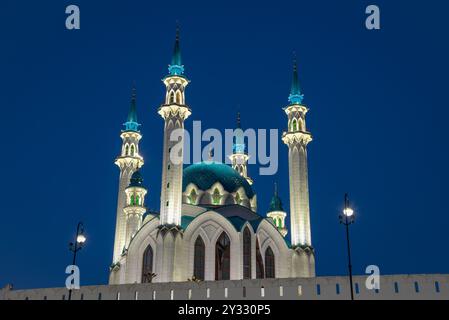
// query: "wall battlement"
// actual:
[[392, 287]]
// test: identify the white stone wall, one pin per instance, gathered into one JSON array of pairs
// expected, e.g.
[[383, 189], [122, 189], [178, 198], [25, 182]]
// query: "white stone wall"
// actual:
[[274, 289]]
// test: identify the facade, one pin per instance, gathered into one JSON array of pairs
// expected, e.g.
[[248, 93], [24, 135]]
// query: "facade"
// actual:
[[208, 227], [397, 287]]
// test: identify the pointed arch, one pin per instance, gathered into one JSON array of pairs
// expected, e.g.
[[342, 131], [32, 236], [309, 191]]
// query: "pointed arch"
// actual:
[[216, 197], [294, 127], [178, 97], [223, 257], [260, 273], [246, 253], [269, 264], [133, 150], [127, 150], [199, 259], [147, 265], [171, 97]]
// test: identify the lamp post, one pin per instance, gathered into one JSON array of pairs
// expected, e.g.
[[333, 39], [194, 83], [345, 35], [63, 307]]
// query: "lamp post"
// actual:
[[76, 246], [347, 218]]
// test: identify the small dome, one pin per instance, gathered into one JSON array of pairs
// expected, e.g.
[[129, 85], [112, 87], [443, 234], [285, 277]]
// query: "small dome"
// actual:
[[205, 174], [275, 204], [136, 180]]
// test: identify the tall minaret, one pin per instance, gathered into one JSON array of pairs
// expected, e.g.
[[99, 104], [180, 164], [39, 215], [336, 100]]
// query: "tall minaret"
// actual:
[[239, 157], [296, 138], [128, 162], [174, 111]]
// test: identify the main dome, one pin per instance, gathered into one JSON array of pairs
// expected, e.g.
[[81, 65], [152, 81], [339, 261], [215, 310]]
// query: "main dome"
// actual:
[[205, 174]]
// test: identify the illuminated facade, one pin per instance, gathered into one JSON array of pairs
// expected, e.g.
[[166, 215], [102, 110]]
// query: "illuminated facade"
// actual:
[[208, 227]]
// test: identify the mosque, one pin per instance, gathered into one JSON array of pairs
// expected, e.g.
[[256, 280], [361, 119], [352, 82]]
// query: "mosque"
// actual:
[[208, 227]]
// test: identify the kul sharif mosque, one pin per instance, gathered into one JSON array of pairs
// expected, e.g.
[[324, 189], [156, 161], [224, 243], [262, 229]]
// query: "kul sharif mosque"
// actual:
[[208, 227]]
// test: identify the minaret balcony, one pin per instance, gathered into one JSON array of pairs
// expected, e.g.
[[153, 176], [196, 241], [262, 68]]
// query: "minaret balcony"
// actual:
[[174, 110], [297, 137]]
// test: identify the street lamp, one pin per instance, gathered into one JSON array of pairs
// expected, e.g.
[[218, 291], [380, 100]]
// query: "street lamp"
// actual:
[[80, 239], [348, 218]]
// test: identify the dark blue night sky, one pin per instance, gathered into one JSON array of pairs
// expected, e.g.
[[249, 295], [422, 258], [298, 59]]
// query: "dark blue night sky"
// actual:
[[378, 113]]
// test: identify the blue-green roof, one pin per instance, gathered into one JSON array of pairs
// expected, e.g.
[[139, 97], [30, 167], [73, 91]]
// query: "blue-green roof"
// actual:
[[295, 96], [131, 124], [136, 180], [205, 174]]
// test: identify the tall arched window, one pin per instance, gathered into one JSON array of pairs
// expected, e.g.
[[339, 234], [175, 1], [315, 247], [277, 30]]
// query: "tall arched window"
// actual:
[[132, 150], [192, 197], [178, 97], [199, 259], [172, 97], [223, 258], [294, 125], [127, 150], [246, 254], [260, 273], [147, 265], [216, 197], [269, 263]]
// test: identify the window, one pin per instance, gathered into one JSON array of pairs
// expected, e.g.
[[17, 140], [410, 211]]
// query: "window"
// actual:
[[416, 287], [132, 150], [357, 289], [82, 296], [318, 289], [437, 287], [127, 150], [137, 201], [168, 185], [192, 197], [294, 125], [269, 263], [337, 288], [199, 259], [259, 263], [396, 287], [223, 258], [244, 292], [216, 197], [147, 265], [172, 97], [99, 296], [178, 97], [246, 253]]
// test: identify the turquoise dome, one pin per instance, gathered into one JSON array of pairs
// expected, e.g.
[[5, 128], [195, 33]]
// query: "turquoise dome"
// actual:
[[205, 174], [136, 180]]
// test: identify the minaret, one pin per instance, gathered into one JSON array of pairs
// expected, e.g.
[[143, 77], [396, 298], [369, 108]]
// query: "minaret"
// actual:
[[277, 213], [174, 111], [239, 157], [135, 206], [128, 162], [296, 138]]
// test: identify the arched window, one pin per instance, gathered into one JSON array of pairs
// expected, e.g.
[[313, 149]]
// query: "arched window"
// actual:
[[147, 265], [132, 150], [246, 254], [178, 97], [216, 197], [223, 258], [259, 262], [127, 150], [172, 97], [269, 263], [199, 259], [193, 196], [294, 125], [137, 201]]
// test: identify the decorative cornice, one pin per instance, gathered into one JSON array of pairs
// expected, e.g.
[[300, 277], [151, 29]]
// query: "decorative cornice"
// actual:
[[297, 138], [181, 112]]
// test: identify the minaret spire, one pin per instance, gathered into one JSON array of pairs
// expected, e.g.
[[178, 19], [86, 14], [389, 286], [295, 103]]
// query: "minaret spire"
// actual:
[[277, 213], [176, 67], [295, 96], [239, 157], [131, 124]]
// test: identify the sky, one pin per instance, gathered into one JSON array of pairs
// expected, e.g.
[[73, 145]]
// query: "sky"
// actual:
[[378, 114]]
